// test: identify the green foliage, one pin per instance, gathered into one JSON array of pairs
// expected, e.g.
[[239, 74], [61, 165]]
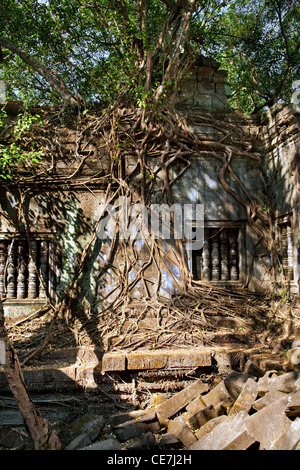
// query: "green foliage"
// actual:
[[99, 47], [257, 42], [12, 154]]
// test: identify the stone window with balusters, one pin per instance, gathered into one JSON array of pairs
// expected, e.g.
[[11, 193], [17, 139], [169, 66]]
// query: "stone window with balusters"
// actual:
[[218, 260], [26, 268], [285, 243]]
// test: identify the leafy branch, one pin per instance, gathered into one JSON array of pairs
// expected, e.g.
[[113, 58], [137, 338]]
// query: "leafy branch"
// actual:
[[12, 154]]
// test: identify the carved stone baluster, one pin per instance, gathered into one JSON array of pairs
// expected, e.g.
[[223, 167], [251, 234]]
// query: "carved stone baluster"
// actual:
[[44, 269], [21, 279], [233, 255], [284, 248], [215, 257], [11, 271], [52, 272], [205, 261], [290, 264], [32, 271], [3, 254], [224, 255]]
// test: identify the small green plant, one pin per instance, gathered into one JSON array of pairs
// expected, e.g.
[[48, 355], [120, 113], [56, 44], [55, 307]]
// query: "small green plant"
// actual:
[[284, 295], [266, 209], [12, 154]]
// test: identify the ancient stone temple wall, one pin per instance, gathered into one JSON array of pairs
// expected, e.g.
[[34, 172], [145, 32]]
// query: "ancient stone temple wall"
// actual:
[[61, 218], [61, 223], [205, 88], [281, 166]]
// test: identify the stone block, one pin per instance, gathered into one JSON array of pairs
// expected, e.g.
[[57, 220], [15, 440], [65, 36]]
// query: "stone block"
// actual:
[[268, 424], [204, 100], [223, 361], [207, 78], [143, 442], [15, 309], [205, 70], [218, 394], [149, 360], [146, 417], [94, 427], [83, 425], [245, 399], [267, 399], [106, 444], [80, 441], [203, 416], [179, 429], [293, 356], [210, 425], [284, 383], [196, 405], [167, 440], [2, 353], [223, 358], [50, 378], [293, 408], [230, 434], [168, 359], [189, 359], [113, 361], [234, 383], [205, 88], [180, 400], [220, 90], [120, 418], [252, 369], [131, 429], [219, 102], [12, 438], [290, 439], [11, 418]]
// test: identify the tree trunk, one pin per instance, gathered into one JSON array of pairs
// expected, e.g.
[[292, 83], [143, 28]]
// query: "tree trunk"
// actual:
[[175, 44], [43, 438]]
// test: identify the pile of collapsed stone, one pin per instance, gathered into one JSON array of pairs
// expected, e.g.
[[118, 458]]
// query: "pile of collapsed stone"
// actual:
[[240, 412], [237, 412]]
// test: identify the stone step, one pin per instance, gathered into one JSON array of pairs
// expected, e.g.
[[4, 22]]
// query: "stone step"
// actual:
[[82, 368], [140, 359], [160, 359]]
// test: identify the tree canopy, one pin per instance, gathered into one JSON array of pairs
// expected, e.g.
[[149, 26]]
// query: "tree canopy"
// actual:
[[96, 51]]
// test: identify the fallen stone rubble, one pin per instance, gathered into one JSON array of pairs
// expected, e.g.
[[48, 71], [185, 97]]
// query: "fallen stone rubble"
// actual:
[[237, 412]]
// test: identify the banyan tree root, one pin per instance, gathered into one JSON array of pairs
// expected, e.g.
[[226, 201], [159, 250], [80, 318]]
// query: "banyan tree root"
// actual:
[[153, 145], [202, 316]]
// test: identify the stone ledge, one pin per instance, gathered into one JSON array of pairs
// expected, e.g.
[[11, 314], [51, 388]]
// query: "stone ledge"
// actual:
[[161, 359], [82, 374]]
